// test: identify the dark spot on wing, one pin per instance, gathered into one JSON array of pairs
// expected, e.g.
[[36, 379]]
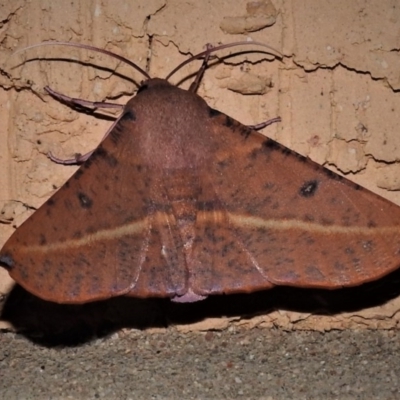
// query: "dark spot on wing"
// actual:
[[330, 174], [229, 122], [128, 116], [270, 186], [228, 248], [213, 113], [50, 202], [301, 158], [275, 206], [84, 200], [271, 145], [327, 221], [245, 131], [42, 240], [253, 154], [308, 188], [23, 272], [78, 173], [88, 163], [101, 153], [224, 163], [232, 124]]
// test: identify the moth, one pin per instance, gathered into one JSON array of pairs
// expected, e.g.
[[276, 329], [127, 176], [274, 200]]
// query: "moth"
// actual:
[[182, 201]]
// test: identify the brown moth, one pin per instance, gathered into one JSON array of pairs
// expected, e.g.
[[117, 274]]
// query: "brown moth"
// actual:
[[182, 201]]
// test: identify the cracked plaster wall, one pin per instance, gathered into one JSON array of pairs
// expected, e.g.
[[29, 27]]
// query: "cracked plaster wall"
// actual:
[[336, 89]]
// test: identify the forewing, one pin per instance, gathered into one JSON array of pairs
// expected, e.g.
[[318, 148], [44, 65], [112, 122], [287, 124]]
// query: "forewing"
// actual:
[[274, 217], [102, 234]]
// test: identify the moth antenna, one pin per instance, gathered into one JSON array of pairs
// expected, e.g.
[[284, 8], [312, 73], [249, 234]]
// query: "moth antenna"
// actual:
[[88, 47], [80, 158], [209, 51]]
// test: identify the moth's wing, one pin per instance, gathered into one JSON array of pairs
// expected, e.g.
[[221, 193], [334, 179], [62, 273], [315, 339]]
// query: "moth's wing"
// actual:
[[101, 234], [274, 217]]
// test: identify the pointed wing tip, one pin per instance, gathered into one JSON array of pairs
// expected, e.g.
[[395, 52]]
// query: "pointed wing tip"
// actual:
[[6, 261]]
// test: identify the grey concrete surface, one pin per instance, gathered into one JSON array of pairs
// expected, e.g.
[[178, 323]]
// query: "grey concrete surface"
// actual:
[[236, 363]]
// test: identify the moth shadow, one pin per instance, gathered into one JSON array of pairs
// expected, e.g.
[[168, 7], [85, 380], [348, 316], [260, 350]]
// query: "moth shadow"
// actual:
[[52, 324]]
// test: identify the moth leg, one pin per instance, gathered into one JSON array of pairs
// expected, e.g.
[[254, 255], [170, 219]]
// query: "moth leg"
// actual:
[[80, 158], [195, 84], [81, 103], [264, 124], [77, 160]]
